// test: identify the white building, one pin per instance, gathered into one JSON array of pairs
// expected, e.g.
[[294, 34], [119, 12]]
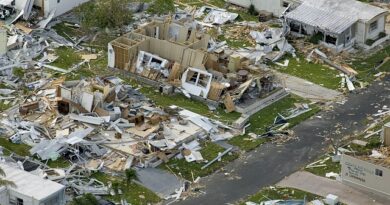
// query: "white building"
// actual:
[[276, 7], [369, 175], [340, 23], [30, 189], [60, 6], [46, 6]]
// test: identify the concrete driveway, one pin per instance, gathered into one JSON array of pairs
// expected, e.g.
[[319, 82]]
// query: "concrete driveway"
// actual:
[[307, 89], [323, 186]]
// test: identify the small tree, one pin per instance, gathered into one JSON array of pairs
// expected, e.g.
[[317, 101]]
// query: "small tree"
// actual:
[[131, 175], [161, 7], [104, 14], [252, 10], [115, 187]]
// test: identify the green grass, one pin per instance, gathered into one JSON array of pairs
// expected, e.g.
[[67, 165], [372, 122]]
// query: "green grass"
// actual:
[[59, 163], [134, 193], [67, 57], [316, 73], [4, 106], [18, 72], [66, 31], [330, 167], [235, 43], [365, 64], [19, 149], [191, 170], [263, 119], [276, 193], [192, 105]]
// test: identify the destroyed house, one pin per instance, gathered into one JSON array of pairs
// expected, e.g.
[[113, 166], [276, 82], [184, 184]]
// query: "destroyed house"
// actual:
[[158, 39], [170, 55], [30, 189], [45, 8], [338, 24]]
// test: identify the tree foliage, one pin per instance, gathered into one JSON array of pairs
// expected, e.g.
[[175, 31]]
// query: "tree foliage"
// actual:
[[161, 7], [104, 14], [131, 175], [86, 199]]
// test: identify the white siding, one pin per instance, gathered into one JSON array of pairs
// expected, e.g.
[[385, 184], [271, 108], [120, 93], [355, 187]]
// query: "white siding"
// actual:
[[3, 42], [381, 27], [361, 173], [61, 6], [4, 200], [274, 6]]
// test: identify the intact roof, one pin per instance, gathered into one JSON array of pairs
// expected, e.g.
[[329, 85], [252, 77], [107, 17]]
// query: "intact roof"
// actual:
[[29, 184], [325, 20], [333, 15], [348, 8]]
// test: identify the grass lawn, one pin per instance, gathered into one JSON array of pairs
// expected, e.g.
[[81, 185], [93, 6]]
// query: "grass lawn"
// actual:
[[59, 163], [4, 106], [261, 120], [330, 167], [134, 193], [365, 65], [67, 57], [192, 105], [191, 170], [316, 73], [19, 149], [276, 193]]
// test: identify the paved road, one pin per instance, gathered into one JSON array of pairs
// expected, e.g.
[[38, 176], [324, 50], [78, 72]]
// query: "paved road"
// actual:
[[323, 186], [270, 163]]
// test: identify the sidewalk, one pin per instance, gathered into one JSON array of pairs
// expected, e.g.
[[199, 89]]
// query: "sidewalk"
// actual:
[[322, 186]]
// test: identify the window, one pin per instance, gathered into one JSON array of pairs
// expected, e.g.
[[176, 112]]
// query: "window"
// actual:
[[58, 1], [373, 26], [19, 201], [378, 172], [285, 4], [330, 39]]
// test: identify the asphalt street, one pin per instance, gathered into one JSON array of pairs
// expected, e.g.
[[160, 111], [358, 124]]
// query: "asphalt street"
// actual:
[[270, 163]]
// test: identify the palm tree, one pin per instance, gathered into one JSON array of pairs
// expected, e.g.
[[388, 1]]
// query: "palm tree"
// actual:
[[4, 182]]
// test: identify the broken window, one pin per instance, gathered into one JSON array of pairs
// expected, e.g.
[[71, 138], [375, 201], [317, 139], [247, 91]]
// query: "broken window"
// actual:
[[295, 27], [203, 80], [378, 172], [373, 26], [191, 78], [19, 201], [330, 39]]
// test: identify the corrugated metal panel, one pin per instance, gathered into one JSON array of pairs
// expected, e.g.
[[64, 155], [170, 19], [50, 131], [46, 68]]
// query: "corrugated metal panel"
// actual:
[[325, 20], [351, 8]]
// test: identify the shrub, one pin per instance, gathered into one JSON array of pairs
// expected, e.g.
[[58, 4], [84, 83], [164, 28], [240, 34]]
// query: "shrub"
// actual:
[[316, 38], [381, 35], [369, 42], [252, 10]]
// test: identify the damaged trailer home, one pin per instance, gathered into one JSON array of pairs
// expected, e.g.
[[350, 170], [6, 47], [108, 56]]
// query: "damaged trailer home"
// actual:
[[195, 65], [29, 189], [338, 24], [43, 8]]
